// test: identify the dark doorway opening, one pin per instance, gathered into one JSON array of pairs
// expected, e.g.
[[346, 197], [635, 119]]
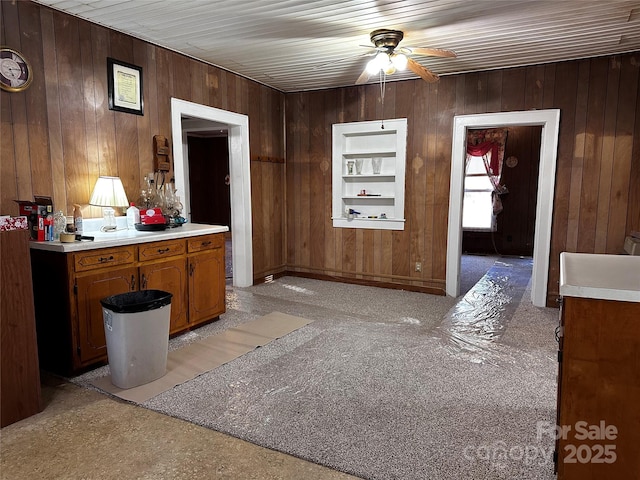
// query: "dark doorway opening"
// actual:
[[209, 184], [515, 230], [209, 180], [515, 225]]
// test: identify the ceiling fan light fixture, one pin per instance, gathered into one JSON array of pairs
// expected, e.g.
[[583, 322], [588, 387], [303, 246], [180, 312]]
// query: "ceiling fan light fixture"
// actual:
[[399, 61], [389, 68], [373, 67], [380, 61], [391, 58]]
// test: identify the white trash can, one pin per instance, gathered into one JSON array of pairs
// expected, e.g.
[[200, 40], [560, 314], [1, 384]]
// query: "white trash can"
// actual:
[[136, 326]]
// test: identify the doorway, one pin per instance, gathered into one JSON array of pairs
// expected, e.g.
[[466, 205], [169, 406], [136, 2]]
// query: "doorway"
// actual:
[[184, 117], [549, 120], [509, 235], [208, 177], [209, 183]]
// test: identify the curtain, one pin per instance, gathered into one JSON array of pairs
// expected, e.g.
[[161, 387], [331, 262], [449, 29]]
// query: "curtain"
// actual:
[[490, 145]]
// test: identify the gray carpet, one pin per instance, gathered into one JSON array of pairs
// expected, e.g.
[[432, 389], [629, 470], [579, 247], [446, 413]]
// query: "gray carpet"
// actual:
[[472, 268], [371, 389]]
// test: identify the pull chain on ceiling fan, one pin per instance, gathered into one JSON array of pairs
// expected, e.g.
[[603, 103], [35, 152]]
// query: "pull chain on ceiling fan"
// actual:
[[391, 57]]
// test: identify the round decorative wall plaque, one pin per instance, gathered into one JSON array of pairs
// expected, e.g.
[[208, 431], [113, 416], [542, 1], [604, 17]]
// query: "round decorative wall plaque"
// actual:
[[512, 161]]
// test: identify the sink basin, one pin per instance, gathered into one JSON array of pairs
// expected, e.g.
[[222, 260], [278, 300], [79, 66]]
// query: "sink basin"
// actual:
[[607, 277]]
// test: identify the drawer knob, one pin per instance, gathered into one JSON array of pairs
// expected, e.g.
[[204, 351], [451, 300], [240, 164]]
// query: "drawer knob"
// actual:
[[163, 250], [207, 243], [105, 259]]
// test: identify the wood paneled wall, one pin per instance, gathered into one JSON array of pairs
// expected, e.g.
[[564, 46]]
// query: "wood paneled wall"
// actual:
[[597, 199], [59, 135]]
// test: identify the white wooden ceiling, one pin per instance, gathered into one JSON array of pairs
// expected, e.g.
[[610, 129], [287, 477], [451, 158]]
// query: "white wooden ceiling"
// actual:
[[296, 45]]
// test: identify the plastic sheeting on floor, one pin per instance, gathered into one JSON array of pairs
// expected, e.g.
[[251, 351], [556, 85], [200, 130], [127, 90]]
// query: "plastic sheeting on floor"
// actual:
[[473, 325]]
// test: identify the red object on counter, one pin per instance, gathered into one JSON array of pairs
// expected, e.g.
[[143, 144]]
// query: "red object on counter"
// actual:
[[152, 216]]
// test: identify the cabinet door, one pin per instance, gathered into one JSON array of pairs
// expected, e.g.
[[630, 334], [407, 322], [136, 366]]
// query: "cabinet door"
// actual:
[[91, 346], [206, 285], [600, 386], [170, 276]]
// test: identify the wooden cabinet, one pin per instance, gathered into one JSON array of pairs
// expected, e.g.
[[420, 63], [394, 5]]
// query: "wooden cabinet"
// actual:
[[206, 277], [88, 291], [170, 276], [69, 287], [599, 390], [375, 192], [103, 258], [163, 267], [19, 372], [161, 250]]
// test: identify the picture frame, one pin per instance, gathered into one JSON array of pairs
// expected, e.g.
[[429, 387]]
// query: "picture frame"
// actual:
[[124, 82]]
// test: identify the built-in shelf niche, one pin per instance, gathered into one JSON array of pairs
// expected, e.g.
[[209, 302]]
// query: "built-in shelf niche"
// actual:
[[374, 195]]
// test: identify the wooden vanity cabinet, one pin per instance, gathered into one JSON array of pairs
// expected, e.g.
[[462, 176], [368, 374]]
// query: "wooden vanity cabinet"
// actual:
[[599, 384], [170, 276], [68, 288], [94, 275], [206, 277], [163, 267], [91, 343], [67, 292]]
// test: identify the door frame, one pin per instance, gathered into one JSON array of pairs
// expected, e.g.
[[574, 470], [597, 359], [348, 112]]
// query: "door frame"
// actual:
[[549, 120], [239, 174]]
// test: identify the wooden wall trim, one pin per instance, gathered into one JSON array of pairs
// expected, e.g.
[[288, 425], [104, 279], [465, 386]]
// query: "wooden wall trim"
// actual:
[[367, 282], [398, 279]]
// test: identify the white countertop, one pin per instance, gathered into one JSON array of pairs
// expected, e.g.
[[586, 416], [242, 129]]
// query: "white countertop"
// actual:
[[122, 236], [600, 276]]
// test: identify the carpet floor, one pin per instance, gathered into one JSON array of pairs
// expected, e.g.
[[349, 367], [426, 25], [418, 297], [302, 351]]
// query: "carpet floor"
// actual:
[[374, 388]]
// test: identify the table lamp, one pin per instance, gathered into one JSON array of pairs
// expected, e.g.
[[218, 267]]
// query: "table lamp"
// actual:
[[109, 193]]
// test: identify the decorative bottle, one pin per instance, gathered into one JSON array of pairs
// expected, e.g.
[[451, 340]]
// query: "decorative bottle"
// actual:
[[77, 218]]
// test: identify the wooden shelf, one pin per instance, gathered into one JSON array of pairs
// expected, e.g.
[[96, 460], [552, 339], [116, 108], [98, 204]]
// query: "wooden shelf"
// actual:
[[369, 153], [371, 197], [385, 177]]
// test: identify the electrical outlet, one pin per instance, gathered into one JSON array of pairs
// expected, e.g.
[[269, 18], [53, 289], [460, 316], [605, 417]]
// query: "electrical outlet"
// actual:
[[418, 267]]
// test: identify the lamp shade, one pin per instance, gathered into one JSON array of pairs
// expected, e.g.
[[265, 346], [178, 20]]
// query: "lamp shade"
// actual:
[[109, 192]]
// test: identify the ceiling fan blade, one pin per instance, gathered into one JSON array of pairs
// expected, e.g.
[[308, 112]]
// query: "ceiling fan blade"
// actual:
[[426, 75], [364, 76], [432, 52]]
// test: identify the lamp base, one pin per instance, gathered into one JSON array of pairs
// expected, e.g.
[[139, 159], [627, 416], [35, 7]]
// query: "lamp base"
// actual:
[[108, 220]]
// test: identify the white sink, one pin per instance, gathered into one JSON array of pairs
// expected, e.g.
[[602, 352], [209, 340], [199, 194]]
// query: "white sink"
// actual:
[[607, 277]]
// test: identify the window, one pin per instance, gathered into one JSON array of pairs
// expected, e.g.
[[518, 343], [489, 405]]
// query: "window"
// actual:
[[477, 209]]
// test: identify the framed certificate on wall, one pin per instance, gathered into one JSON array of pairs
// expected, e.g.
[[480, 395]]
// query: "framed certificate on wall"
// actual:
[[125, 87]]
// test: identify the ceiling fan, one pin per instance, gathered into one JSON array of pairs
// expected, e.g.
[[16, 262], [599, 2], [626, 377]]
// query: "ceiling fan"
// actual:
[[391, 57]]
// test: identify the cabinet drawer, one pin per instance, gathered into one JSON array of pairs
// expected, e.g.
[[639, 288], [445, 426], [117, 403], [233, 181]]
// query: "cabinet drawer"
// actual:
[[103, 258], [156, 250], [206, 242]]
